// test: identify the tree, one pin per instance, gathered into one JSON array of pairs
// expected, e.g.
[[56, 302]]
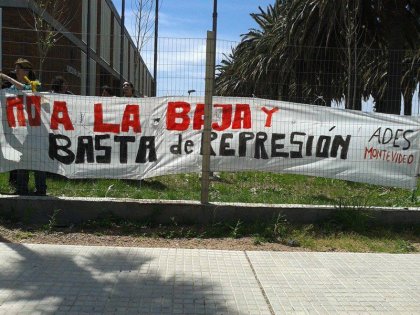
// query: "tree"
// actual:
[[331, 50], [399, 29], [142, 28], [251, 68], [47, 35], [410, 79]]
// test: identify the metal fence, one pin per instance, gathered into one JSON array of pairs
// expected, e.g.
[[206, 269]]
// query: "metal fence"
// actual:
[[321, 78]]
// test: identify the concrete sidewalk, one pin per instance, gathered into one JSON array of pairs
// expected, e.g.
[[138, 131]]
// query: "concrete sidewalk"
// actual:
[[54, 279]]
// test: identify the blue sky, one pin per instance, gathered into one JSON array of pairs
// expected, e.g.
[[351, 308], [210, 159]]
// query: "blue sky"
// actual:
[[182, 29], [192, 18], [183, 26]]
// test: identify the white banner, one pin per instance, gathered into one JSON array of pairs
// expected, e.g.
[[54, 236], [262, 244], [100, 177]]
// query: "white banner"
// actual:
[[136, 138]]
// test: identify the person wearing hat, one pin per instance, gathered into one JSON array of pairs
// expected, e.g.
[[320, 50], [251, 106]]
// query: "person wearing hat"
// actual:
[[23, 68]]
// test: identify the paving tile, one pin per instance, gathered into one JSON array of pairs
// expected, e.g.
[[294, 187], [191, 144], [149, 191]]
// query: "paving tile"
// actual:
[[51, 279], [78, 279], [344, 282]]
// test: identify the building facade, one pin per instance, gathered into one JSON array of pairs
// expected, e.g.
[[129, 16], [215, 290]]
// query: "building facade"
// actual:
[[77, 39]]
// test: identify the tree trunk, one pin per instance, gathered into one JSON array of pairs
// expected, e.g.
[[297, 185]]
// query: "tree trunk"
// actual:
[[408, 104], [299, 70], [391, 103], [40, 69]]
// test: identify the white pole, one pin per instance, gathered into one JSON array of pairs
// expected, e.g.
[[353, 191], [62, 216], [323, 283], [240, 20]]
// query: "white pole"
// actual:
[[205, 169]]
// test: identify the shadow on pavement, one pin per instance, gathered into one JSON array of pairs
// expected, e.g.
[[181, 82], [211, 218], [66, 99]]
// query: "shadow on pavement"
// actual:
[[50, 279]]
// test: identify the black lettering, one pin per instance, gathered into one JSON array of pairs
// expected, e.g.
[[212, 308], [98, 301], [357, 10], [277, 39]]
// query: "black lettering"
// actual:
[[408, 141], [296, 154], [376, 134], [85, 148], [225, 146], [243, 138], [385, 141], [106, 158], [322, 146], [309, 145], [176, 148], [276, 147], [123, 140], [213, 136], [147, 144], [188, 144], [396, 138], [339, 142], [260, 152], [54, 147]]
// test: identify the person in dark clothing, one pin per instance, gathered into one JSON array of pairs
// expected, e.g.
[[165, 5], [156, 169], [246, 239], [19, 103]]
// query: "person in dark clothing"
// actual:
[[5, 84], [59, 85], [23, 68], [107, 91], [128, 89]]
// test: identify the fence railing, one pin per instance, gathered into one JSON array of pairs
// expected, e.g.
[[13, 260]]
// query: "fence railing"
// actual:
[[307, 131]]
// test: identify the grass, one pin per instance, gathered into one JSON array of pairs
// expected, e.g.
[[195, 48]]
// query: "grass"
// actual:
[[346, 230], [255, 187]]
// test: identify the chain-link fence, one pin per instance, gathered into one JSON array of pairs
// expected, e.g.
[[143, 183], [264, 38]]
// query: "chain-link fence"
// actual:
[[286, 127]]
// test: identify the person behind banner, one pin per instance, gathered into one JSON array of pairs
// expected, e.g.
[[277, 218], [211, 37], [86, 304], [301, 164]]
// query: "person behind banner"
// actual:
[[5, 84], [59, 85], [23, 68], [107, 91], [24, 72], [128, 89]]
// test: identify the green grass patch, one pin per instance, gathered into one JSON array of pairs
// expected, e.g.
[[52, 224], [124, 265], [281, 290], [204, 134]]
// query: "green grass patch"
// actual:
[[350, 228], [255, 187], [24, 235], [335, 234]]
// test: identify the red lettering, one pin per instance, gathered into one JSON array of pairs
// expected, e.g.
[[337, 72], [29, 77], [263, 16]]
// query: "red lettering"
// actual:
[[177, 116], [127, 122], [99, 125], [198, 121], [60, 115], [269, 113], [34, 118], [13, 102], [388, 156], [410, 159], [368, 152], [242, 118], [226, 117]]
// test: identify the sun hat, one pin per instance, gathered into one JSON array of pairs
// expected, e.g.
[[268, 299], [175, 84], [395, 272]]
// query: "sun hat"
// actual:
[[24, 63]]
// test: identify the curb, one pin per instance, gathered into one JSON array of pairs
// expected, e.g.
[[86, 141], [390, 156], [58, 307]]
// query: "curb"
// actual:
[[74, 210]]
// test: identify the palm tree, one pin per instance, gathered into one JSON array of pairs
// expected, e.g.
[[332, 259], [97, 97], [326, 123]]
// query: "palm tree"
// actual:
[[312, 49], [410, 79], [398, 29], [249, 69]]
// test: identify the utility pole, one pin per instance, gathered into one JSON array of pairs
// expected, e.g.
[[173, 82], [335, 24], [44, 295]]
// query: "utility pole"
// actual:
[[214, 35], [155, 47], [215, 21], [88, 49], [122, 42], [206, 172]]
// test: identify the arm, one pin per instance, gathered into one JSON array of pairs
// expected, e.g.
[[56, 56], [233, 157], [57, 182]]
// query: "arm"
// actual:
[[16, 83]]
